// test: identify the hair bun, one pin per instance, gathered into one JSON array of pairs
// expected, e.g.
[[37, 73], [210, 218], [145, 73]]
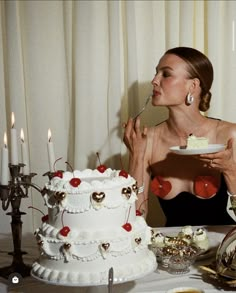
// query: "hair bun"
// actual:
[[205, 102]]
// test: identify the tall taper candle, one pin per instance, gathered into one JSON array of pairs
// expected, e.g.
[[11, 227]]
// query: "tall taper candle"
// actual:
[[5, 161], [14, 149], [51, 156], [25, 154]]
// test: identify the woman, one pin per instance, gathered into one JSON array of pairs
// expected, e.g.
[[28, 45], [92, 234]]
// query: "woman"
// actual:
[[192, 189]]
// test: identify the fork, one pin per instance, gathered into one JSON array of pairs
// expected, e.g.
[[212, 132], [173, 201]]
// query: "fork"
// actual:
[[144, 107]]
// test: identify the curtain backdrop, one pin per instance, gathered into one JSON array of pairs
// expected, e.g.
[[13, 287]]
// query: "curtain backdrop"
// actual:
[[81, 68]]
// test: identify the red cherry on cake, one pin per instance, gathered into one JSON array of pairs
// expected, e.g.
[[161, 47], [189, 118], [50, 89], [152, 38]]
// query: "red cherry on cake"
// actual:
[[138, 213], [75, 182], [101, 168], [123, 173], [127, 227], [58, 174], [44, 218], [64, 231]]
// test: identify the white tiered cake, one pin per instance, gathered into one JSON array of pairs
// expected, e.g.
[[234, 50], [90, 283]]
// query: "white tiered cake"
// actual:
[[92, 226]]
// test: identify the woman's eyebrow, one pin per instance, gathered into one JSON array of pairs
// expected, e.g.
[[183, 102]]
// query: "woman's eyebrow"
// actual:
[[164, 68]]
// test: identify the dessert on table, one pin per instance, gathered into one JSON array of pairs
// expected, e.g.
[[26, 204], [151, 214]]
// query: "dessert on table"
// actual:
[[92, 226]]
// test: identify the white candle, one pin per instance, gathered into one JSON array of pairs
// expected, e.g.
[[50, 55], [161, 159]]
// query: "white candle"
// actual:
[[233, 35], [51, 156], [5, 173], [14, 149], [25, 154]]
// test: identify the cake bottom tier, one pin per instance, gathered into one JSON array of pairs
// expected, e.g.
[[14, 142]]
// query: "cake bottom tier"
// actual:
[[74, 273]]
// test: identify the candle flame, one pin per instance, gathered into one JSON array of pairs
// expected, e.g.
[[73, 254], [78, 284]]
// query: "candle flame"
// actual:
[[12, 120], [49, 135], [22, 137], [5, 139]]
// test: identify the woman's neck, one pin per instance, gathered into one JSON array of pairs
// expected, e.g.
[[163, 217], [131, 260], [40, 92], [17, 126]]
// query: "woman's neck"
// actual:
[[182, 124]]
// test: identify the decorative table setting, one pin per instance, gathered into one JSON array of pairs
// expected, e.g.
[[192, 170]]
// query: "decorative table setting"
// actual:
[[159, 281], [93, 240]]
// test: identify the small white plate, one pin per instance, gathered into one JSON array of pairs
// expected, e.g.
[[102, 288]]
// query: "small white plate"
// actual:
[[212, 148]]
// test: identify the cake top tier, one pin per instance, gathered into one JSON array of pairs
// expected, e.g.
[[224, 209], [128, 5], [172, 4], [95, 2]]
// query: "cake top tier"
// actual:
[[88, 179]]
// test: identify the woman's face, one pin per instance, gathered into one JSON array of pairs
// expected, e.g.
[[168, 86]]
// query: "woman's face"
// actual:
[[170, 83]]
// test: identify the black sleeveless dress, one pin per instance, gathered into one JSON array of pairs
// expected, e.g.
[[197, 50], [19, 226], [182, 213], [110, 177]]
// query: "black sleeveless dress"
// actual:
[[187, 209]]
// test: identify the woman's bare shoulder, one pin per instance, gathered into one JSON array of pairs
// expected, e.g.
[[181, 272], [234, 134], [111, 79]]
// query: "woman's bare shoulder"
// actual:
[[226, 129], [156, 128]]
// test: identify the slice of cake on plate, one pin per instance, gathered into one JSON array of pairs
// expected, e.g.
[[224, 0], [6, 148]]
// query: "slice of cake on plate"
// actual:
[[194, 142]]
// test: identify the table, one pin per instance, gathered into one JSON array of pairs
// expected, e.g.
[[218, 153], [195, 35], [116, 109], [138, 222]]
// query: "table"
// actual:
[[157, 282]]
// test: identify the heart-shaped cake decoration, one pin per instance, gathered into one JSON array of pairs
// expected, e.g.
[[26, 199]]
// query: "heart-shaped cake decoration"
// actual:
[[127, 192], [105, 246], [40, 243], [138, 240], [66, 246], [135, 188], [98, 196], [59, 196]]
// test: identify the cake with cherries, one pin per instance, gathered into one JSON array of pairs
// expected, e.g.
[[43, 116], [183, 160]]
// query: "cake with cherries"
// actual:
[[92, 226], [194, 142]]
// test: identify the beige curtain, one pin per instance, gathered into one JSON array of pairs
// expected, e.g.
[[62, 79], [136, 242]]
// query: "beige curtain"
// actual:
[[81, 68]]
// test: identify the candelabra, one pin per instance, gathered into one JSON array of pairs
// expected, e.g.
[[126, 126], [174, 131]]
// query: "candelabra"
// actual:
[[11, 195]]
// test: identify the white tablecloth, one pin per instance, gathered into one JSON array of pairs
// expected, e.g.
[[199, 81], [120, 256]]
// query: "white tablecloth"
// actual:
[[159, 281]]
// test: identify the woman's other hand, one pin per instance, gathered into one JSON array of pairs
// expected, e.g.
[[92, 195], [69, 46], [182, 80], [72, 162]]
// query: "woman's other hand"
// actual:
[[223, 160]]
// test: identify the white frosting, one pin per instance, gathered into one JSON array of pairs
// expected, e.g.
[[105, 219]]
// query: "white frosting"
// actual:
[[194, 142], [96, 212], [187, 230], [158, 239], [200, 238]]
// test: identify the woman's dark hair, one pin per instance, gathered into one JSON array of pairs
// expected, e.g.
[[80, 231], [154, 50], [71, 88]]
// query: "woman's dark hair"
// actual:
[[198, 66]]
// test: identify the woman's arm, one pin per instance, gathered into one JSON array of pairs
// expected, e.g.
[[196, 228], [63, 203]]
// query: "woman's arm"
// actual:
[[225, 161], [138, 143]]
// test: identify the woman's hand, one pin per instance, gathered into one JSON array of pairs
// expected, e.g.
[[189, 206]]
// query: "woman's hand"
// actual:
[[134, 138], [223, 160]]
